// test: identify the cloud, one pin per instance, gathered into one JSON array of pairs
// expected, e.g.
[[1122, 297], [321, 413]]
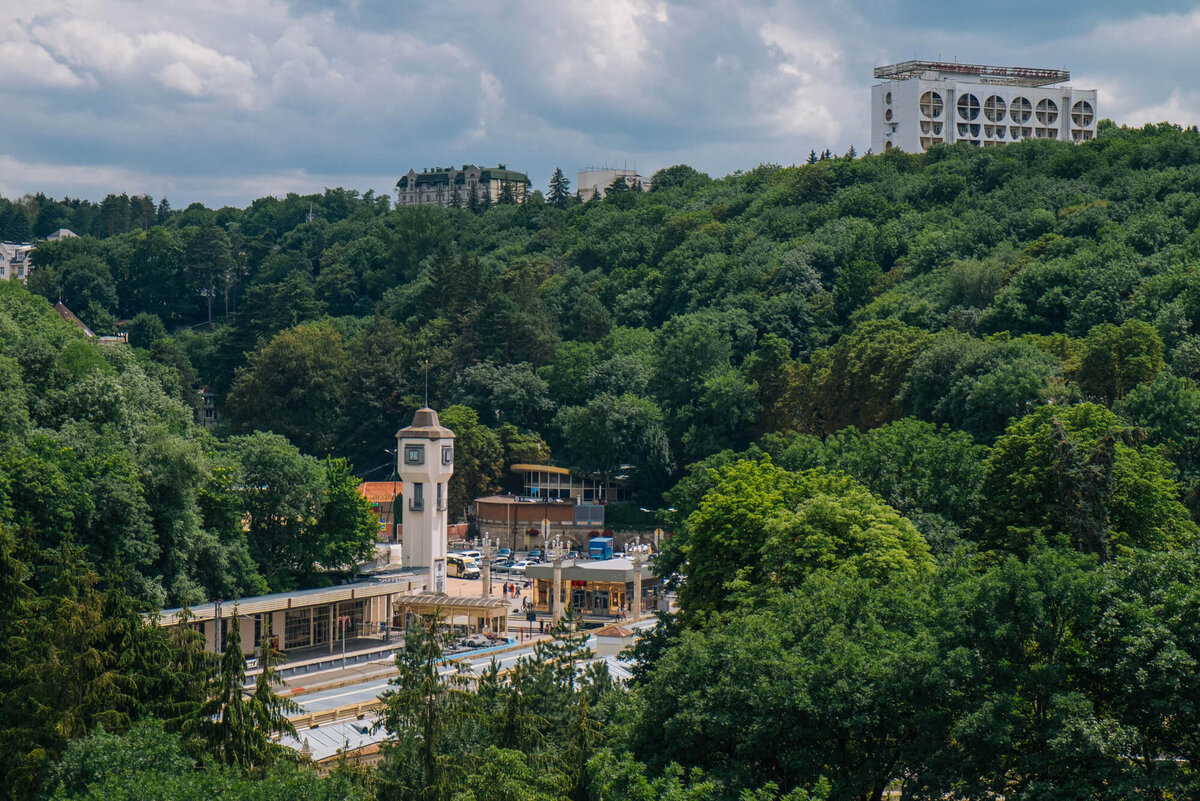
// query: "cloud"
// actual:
[[229, 99]]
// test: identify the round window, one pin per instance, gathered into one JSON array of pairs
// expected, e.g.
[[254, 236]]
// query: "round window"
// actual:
[[1047, 111], [1082, 114], [887, 115], [968, 107], [931, 105], [887, 98], [993, 108], [1020, 109]]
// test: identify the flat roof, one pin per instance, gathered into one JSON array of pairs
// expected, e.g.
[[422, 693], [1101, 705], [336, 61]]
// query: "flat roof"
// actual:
[[590, 570], [540, 468], [435, 599], [394, 583], [1017, 76]]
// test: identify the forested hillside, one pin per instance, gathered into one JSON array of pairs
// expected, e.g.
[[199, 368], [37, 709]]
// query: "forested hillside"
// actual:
[[927, 428]]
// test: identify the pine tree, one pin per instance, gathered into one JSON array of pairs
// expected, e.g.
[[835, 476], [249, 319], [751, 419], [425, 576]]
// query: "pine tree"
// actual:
[[473, 201], [164, 211], [507, 197], [455, 198], [851, 153], [420, 711], [826, 154], [812, 157], [485, 201], [234, 729], [560, 189]]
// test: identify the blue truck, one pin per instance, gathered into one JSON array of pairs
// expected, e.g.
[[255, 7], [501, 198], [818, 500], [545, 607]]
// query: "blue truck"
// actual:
[[600, 547]]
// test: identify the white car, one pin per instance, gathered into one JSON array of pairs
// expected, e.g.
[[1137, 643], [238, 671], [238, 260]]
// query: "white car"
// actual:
[[518, 568]]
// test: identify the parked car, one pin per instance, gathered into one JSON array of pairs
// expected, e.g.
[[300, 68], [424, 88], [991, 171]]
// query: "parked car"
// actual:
[[518, 568], [502, 565], [476, 641], [535, 556], [505, 553]]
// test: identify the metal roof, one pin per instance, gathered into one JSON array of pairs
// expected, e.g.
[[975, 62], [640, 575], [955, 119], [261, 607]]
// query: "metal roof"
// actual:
[[402, 582], [1017, 76]]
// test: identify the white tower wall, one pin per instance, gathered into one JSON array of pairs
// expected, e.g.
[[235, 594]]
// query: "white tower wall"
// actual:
[[425, 462]]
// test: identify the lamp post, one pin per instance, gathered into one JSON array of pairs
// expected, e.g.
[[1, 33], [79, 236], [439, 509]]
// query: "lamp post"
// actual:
[[395, 506], [555, 552], [487, 550], [342, 621], [639, 552]]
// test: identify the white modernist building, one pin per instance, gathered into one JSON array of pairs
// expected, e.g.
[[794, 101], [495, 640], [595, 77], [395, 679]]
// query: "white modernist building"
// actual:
[[919, 104], [597, 180], [425, 455]]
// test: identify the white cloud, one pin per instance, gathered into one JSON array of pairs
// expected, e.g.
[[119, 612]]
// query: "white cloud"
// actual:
[[249, 96], [29, 65]]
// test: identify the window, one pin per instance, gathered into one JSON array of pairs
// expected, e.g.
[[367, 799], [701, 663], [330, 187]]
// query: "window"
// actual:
[[887, 115], [1082, 113], [931, 105], [993, 108], [417, 502], [887, 98], [441, 502], [297, 628], [1020, 109], [968, 107], [414, 454], [447, 454], [1047, 111]]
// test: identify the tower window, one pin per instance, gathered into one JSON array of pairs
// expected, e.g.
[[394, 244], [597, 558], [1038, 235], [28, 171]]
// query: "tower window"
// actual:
[[447, 454], [414, 454], [441, 500], [417, 502]]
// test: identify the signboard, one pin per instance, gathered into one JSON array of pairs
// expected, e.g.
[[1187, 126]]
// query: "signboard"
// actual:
[[439, 575]]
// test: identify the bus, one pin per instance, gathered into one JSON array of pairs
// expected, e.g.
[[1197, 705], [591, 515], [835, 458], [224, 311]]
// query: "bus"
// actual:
[[462, 567]]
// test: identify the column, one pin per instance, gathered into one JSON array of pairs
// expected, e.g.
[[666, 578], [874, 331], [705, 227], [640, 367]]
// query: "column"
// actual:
[[635, 606]]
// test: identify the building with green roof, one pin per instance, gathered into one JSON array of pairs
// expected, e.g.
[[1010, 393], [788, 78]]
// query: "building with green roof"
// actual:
[[446, 186]]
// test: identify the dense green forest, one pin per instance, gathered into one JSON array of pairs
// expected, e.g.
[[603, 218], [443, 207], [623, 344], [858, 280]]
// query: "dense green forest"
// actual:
[[927, 428]]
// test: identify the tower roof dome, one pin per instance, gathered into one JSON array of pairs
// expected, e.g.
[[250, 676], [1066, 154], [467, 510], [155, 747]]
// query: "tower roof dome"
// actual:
[[425, 425]]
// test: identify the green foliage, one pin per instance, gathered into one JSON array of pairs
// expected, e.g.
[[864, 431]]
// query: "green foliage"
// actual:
[[1077, 477]]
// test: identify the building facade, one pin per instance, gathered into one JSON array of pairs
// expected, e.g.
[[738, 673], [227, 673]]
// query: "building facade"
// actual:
[[437, 186], [920, 104], [595, 181]]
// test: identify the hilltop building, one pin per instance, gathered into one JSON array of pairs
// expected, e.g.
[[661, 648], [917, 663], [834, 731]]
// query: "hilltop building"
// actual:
[[597, 180], [919, 104], [15, 261], [438, 186]]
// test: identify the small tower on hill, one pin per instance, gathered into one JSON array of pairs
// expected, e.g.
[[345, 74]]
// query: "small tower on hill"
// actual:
[[425, 456]]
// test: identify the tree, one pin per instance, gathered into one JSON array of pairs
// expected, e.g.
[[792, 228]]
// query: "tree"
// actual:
[[347, 529], [234, 729], [610, 431], [209, 262], [560, 189], [282, 494], [421, 710], [478, 458], [1076, 477], [1117, 359], [294, 385], [826, 683]]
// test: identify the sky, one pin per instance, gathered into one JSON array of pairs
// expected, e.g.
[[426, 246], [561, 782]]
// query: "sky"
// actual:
[[224, 101]]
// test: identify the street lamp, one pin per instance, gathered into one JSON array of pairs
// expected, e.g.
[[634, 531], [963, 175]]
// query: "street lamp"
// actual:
[[342, 621], [395, 478]]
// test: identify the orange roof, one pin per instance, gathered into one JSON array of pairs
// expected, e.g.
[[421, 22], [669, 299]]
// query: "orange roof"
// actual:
[[380, 491]]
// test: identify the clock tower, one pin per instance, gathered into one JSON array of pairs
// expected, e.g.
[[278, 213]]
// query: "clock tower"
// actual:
[[425, 462]]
